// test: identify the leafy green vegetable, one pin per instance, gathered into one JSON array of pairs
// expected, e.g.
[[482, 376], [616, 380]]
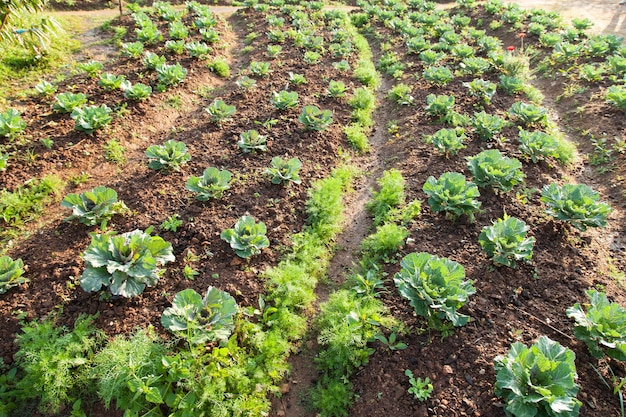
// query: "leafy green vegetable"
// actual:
[[282, 171], [11, 272], [435, 287], [538, 145], [447, 141], [577, 204], [170, 75], [136, 92], [285, 99], [251, 140], [92, 68], [487, 126], [91, 118], [528, 114], [197, 49], [11, 123], [67, 102], [391, 195], [438, 76], [201, 319], [151, 60], [491, 168], [247, 238], [452, 194], [602, 327], [125, 263], [538, 381], [505, 241], [219, 111], [315, 119], [132, 49], [92, 207], [212, 184], [483, 90], [111, 81], [169, 156]]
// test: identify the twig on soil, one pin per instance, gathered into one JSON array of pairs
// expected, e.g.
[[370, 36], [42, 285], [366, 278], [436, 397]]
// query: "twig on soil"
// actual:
[[543, 322]]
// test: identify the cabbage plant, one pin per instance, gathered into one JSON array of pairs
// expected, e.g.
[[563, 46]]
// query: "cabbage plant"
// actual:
[[282, 171], [92, 207], [602, 327], [505, 241], [251, 140], [91, 118], [167, 157], [435, 287], [201, 319], [492, 169], [284, 99], [11, 273], [577, 204], [315, 119], [247, 238], [212, 184], [11, 123], [219, 111], [126, 263], [539, 380], [452, 194], [67, 102]]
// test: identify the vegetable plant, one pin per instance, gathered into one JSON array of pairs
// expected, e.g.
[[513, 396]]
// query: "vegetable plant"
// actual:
[[284, 99], [171, 224], [46, 88], [511, 84], [11, 123], [439, 105], [435, 287], [336, 89], [602, 327], [201, 319], [577, 204], [212, 184], [528, 114], [149, 34], [438, 76], [247, 238], [92, 68], [111, 81], [486, 125], [126, 263], [420, 388], [137, 91], [209, 35], [91, 118], [616, 95], [491, 168], [401, 94], [67, 102], [92, 207], [168, 157], [132, 49], [170, 75], [177, 30], [447, 141], [245, 82], [219, 111], [452, 194], [176, 47], [197, 49], [281, 171], [505, 241], [481, 89], [251, 141], [151, 60], [11, 273], [539, 380], [538, 145], [315, 119], [259, 69]]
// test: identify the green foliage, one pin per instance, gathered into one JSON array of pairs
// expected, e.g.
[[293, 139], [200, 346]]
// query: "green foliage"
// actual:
[[92, 68], [251, 141], [538, 145], [511, 84], [125, 263], [491, 168], [24, 203], [284, 172], [333, 398], [487, 126], [135, 92], [67, 102], [55, 360], [245, 82], [149, 34], [114, 152], [452, 194], [170, 75], [505, 241], [46, 88], [325, 204], [88, 119], [220, 67], [367, 75], [390, 195], [175, 47], [384, 243], [439, 106], [438, 76], [447, 141], [219, 111], [528, 114], [616, 95], [123, 364], [362, 99], [197, 49], [11, 123], [368, 284], [167, 157], [171, 224], [296, 79], [284, 99], [93, 207], [577, 204], [247, 238], [357, 136], [177, 30], [110, 81], [539, 380], [11, 273], [401, 94], [132, 49], [201, 319], [421, 389], [212, 184], [259, 69], [435, 287], [475, 65], [315, 119], [602, 327], [481, 89]]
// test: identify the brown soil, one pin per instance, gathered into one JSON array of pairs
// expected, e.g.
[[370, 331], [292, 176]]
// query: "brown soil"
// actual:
[[510, 304]]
